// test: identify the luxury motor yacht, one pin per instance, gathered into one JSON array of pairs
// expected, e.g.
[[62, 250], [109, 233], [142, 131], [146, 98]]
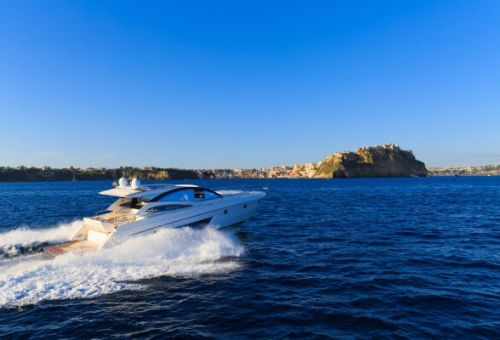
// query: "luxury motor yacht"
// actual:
[[145, 209]]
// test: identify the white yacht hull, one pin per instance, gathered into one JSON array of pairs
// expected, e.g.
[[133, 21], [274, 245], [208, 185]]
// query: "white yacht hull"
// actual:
[[230, 209]]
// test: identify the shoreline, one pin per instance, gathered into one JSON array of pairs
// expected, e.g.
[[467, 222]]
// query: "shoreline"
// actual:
[[253, 179]]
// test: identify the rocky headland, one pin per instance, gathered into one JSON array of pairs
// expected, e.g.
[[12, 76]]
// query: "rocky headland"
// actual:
[[387, 160], [375, 161]]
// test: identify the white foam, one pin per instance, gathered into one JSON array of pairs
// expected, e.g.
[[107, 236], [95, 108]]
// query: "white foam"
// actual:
[[23, 241], [183, 251], [24, 236]]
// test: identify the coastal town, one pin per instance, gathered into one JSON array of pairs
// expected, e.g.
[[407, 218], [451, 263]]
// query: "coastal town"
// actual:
[[482, 170], [387, 160]]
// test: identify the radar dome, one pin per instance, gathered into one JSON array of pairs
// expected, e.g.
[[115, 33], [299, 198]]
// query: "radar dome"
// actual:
[[123, 182], [136, 183]]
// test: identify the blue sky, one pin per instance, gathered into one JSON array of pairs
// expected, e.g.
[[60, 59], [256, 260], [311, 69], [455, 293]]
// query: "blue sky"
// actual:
[[246, 83]]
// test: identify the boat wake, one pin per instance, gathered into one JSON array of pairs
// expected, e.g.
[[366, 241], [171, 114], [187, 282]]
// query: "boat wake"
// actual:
[[173, 252], [26, 241]]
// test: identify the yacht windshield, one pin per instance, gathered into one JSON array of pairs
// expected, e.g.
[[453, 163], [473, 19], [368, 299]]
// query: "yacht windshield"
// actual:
[[187, 195]]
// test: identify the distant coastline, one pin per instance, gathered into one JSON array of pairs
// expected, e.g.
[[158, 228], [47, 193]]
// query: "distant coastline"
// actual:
[[32, 174], [377, 161], [479, 170]]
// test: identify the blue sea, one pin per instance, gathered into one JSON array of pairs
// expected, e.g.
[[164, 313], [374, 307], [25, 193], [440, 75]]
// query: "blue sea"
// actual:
[[357, 258]]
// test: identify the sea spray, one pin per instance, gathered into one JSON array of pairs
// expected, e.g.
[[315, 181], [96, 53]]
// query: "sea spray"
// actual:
[[23, 241], [172, 252]]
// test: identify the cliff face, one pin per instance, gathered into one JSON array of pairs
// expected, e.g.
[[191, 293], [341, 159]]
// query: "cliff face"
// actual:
[[377, 161]]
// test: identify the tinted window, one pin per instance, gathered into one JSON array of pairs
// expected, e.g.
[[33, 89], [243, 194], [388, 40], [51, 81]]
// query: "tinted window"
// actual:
[[185, 195], [199, 194], [188, 195], [209, 195], [167, 207]]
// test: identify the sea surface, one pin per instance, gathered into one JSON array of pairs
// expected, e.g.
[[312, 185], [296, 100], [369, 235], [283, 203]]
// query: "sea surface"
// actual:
[[358, 258]]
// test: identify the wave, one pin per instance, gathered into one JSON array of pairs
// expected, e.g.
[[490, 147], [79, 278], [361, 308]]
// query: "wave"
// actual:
[[24, 241], [171, 252]]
